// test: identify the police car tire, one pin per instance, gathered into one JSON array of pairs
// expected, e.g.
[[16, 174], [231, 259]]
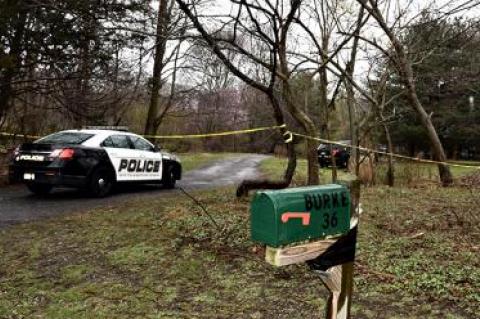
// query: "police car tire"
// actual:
[[100, 183], [39, 189], [169, 178]]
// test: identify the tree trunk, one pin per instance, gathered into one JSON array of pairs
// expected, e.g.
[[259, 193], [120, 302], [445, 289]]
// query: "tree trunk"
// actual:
[[324, 119], [310, 130], [455, 151], [248, 185], [6, 93], [324, 127], [439, 152], [312, 158], [356, 159], [79, 108], [298, 114], [391, 168], [152, 122], [353, 128], [350, 68], [406, 73], [304, 120]]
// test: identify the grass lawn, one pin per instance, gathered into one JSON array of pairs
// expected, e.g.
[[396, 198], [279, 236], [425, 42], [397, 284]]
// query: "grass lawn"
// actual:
[[406, 173], [464, 170], [274, 168], [417, 258], [196, 160]]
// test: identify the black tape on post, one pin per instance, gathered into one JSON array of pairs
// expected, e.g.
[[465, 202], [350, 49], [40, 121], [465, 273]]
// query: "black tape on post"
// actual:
[[341, 252]]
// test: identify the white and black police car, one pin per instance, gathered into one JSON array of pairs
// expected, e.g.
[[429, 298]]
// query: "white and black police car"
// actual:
[[92, 159]]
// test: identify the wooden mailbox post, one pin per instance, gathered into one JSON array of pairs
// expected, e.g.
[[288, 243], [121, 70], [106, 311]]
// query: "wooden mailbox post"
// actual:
[[317, 225]]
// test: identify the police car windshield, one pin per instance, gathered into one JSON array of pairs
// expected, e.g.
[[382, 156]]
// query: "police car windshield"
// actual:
[[65, 138]]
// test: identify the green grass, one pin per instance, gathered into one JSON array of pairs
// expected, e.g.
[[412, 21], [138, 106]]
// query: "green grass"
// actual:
[[196, 160], [410, 173], [460, 171], [406, 173], [274, 167], [417, 258], [427, 239]]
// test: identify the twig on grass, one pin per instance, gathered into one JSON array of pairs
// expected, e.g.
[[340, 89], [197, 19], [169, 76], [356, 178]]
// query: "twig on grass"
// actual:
[[376, 273], [204, 209], [416, 235]]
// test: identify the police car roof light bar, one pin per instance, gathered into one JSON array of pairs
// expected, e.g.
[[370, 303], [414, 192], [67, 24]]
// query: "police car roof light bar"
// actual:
[[107, 128]]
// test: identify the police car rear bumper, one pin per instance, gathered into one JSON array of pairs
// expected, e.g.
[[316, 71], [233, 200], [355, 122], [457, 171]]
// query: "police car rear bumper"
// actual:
[[54, 177]]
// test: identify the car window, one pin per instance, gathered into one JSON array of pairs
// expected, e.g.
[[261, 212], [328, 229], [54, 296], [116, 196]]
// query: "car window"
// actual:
[[108, 142], [141, 144], [116, 141], [74, 138]]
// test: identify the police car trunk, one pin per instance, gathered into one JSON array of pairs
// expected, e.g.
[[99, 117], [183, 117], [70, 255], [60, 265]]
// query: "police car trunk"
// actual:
[[51, 161]]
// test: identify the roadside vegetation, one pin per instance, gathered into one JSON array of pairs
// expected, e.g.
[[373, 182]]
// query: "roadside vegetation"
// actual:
[[417, 258], [406, 173]]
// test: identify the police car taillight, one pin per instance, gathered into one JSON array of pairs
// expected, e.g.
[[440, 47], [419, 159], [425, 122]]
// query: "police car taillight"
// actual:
[[65, 153]]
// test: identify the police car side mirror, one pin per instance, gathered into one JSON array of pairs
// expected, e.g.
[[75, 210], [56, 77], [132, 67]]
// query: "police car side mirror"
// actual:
[[156, 148]]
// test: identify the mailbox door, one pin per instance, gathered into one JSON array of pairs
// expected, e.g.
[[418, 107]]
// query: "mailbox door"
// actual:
[[264, 228]]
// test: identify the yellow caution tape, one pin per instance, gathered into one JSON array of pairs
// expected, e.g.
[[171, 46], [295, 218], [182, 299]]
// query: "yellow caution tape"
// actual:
[[383, 153], [238, 132], [226, 133], [288, 135]]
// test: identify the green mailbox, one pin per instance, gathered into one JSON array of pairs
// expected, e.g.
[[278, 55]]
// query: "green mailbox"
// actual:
[[283, 217]]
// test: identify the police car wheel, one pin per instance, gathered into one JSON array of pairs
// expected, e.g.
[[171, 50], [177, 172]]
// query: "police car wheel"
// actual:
[[39, 189], [101, 183], [169, 178]]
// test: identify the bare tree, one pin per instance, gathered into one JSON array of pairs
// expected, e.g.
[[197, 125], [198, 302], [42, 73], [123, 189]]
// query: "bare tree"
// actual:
[[323, 23], [164, 32], [403, 66], [378, 113], [274, 43], [268, 25]]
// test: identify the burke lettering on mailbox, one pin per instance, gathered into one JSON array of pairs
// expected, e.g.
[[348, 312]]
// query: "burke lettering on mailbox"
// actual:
[[326, 201]]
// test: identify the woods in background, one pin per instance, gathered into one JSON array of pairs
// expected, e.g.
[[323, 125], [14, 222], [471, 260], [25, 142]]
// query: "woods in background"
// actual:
[[365, 71]]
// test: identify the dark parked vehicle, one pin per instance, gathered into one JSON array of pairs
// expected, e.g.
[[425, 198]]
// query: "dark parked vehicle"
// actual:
[[340, 153]]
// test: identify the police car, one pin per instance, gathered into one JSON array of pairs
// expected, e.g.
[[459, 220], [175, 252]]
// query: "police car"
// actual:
[[92, 159]]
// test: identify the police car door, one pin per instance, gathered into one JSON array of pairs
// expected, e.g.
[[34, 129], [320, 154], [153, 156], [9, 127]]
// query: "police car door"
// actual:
[[122, 155], [150, 166]]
